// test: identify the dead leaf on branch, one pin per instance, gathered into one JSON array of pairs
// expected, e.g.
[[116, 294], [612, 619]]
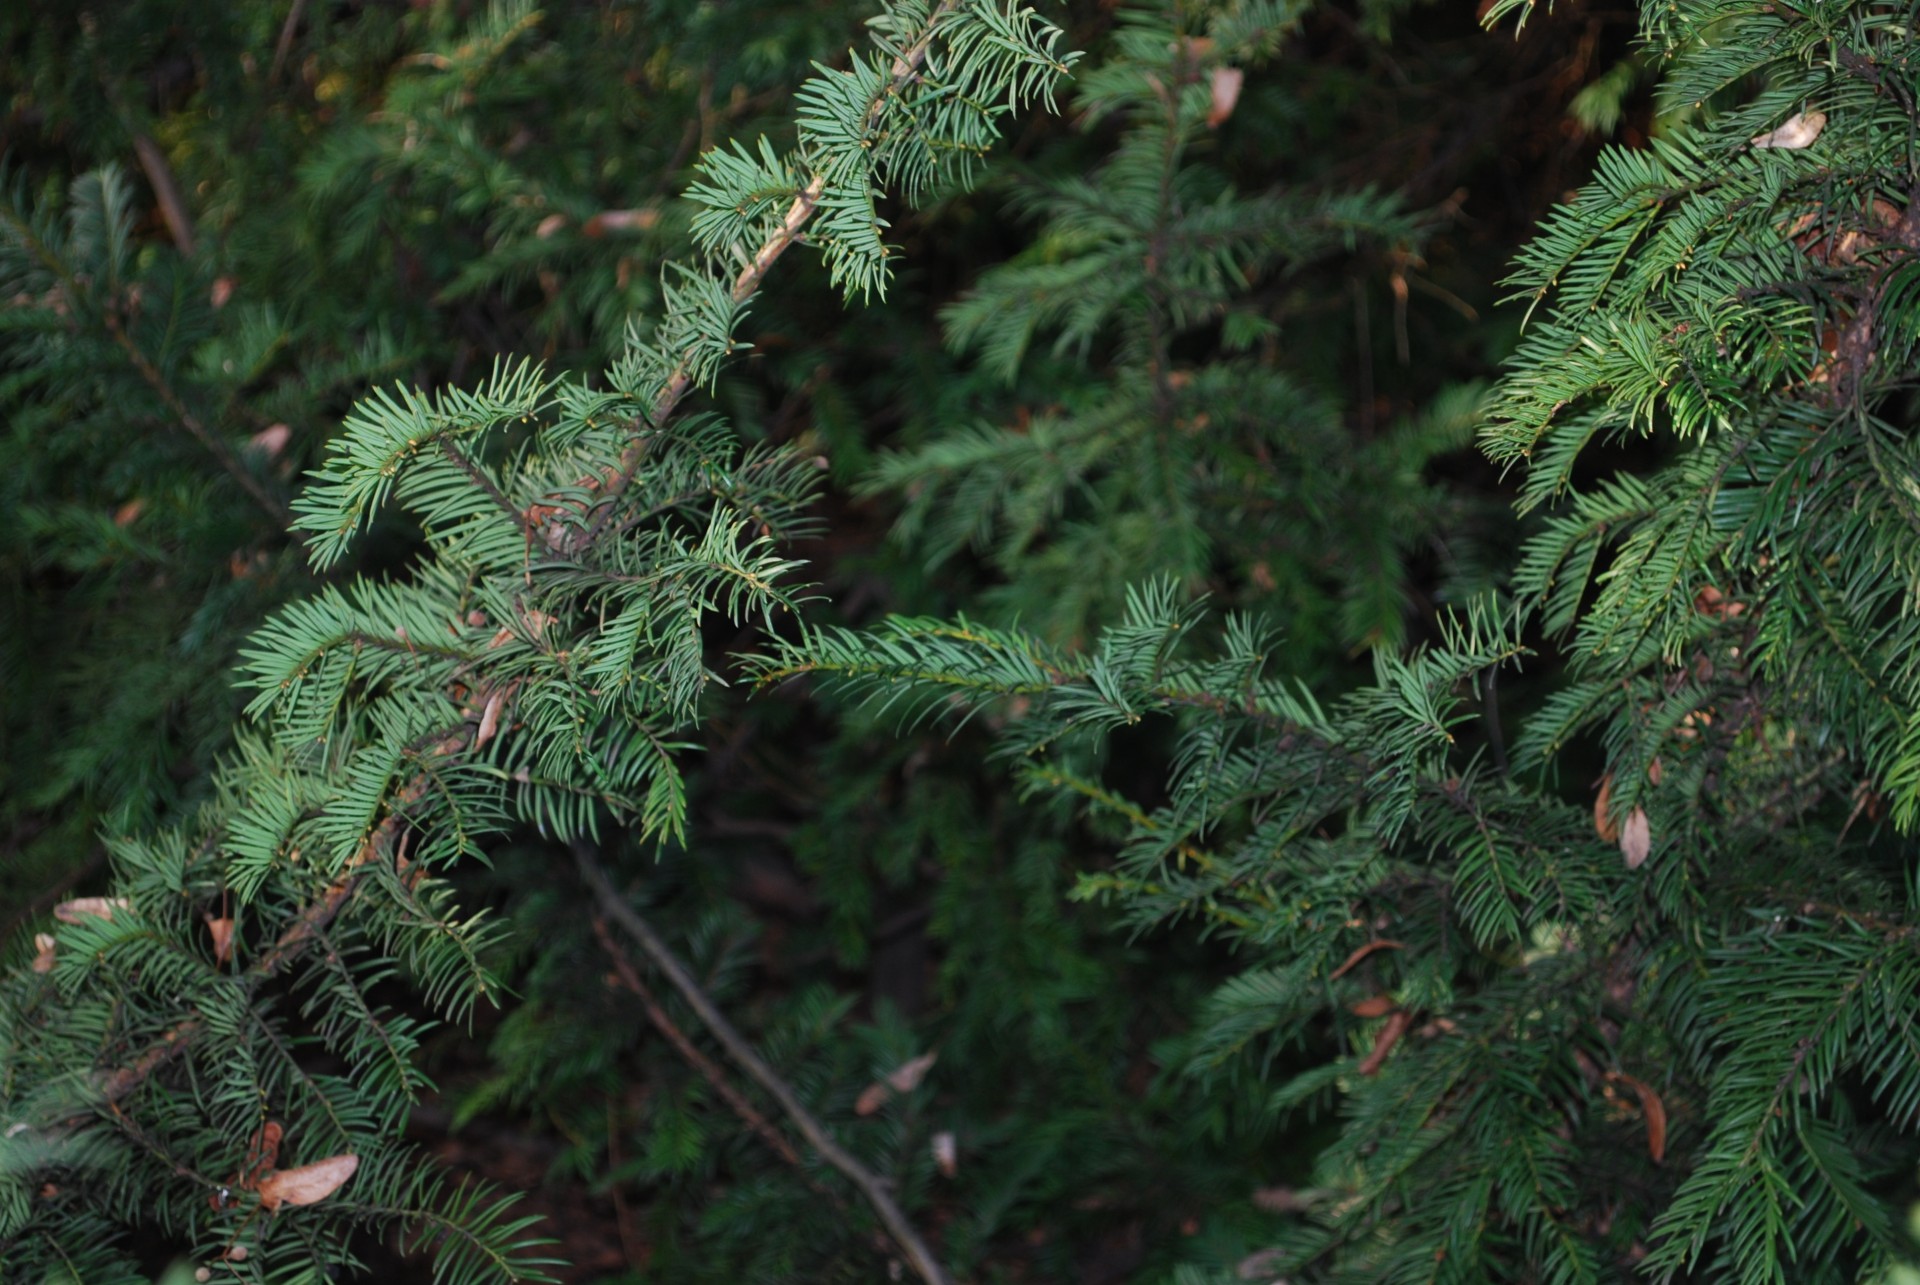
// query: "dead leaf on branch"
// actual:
[[307, 1185], [1603, 811], [904, 1078], [1226, 92], [1636, 839], [1799, 130], [221, 930], [1652, 1108], [1383, 1043], [83, 908], [1361, 952]]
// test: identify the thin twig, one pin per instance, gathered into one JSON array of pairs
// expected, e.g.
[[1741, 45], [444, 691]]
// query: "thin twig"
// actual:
[[872, 1187], [284, 45], [630, 978], [216, 446], [166, 190]]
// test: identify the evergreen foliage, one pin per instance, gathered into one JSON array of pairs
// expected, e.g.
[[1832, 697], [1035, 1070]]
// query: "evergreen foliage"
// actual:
[[1666, 1028], [1392, 999], [543, 659]]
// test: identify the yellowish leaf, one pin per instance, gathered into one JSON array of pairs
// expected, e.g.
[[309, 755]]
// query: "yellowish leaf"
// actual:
[[72, 912], [1799, 131]]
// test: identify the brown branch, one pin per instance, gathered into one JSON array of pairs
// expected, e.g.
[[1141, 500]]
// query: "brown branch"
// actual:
[[166, 190], [284, 46], [874, 1189], [623, 968], [305, 929]]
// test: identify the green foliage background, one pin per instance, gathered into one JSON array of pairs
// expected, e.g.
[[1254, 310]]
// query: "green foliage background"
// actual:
[[1075, 620]]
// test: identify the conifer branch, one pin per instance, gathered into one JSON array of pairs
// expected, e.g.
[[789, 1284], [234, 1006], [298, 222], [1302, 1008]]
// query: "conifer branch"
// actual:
[[906, 67], [873, 1188]]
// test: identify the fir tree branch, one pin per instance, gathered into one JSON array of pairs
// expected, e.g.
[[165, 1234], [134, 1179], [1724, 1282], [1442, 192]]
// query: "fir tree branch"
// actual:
[[871, 1186], [906, 68]]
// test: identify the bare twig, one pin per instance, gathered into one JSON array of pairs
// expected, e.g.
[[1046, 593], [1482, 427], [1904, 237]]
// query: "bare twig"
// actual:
[[166, 190], [870, 1186], [284, 46], [629, 978]]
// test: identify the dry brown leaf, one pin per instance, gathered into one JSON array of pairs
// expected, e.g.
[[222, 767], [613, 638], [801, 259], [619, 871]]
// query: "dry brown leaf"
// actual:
[[907, 1076], [1226, 92], [43, 945], [307, 1185], [1361, 953], [222, 292], [1603, 811], [72, 912], [1798, 131], [1372, 1006], [1636, 839], [1383, 1043], [1652, 1108], [490, 717], [904, 1078], [221, 930], [550, 225], [126, 513]]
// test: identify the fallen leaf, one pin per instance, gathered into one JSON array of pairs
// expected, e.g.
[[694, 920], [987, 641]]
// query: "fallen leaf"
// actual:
[[946, 1154], [620, 221], [904, 1078], [307, 1185], [43, 945], [1636, 839], [263, 1152], [1372, 1006], [1226, 92], [72, 912], [222, 932], [1799, 131], [1603, 811], [907, 1076], [1383, 1043], [1361, 953], [1652, 1108], [271, 440], [490, 718]]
